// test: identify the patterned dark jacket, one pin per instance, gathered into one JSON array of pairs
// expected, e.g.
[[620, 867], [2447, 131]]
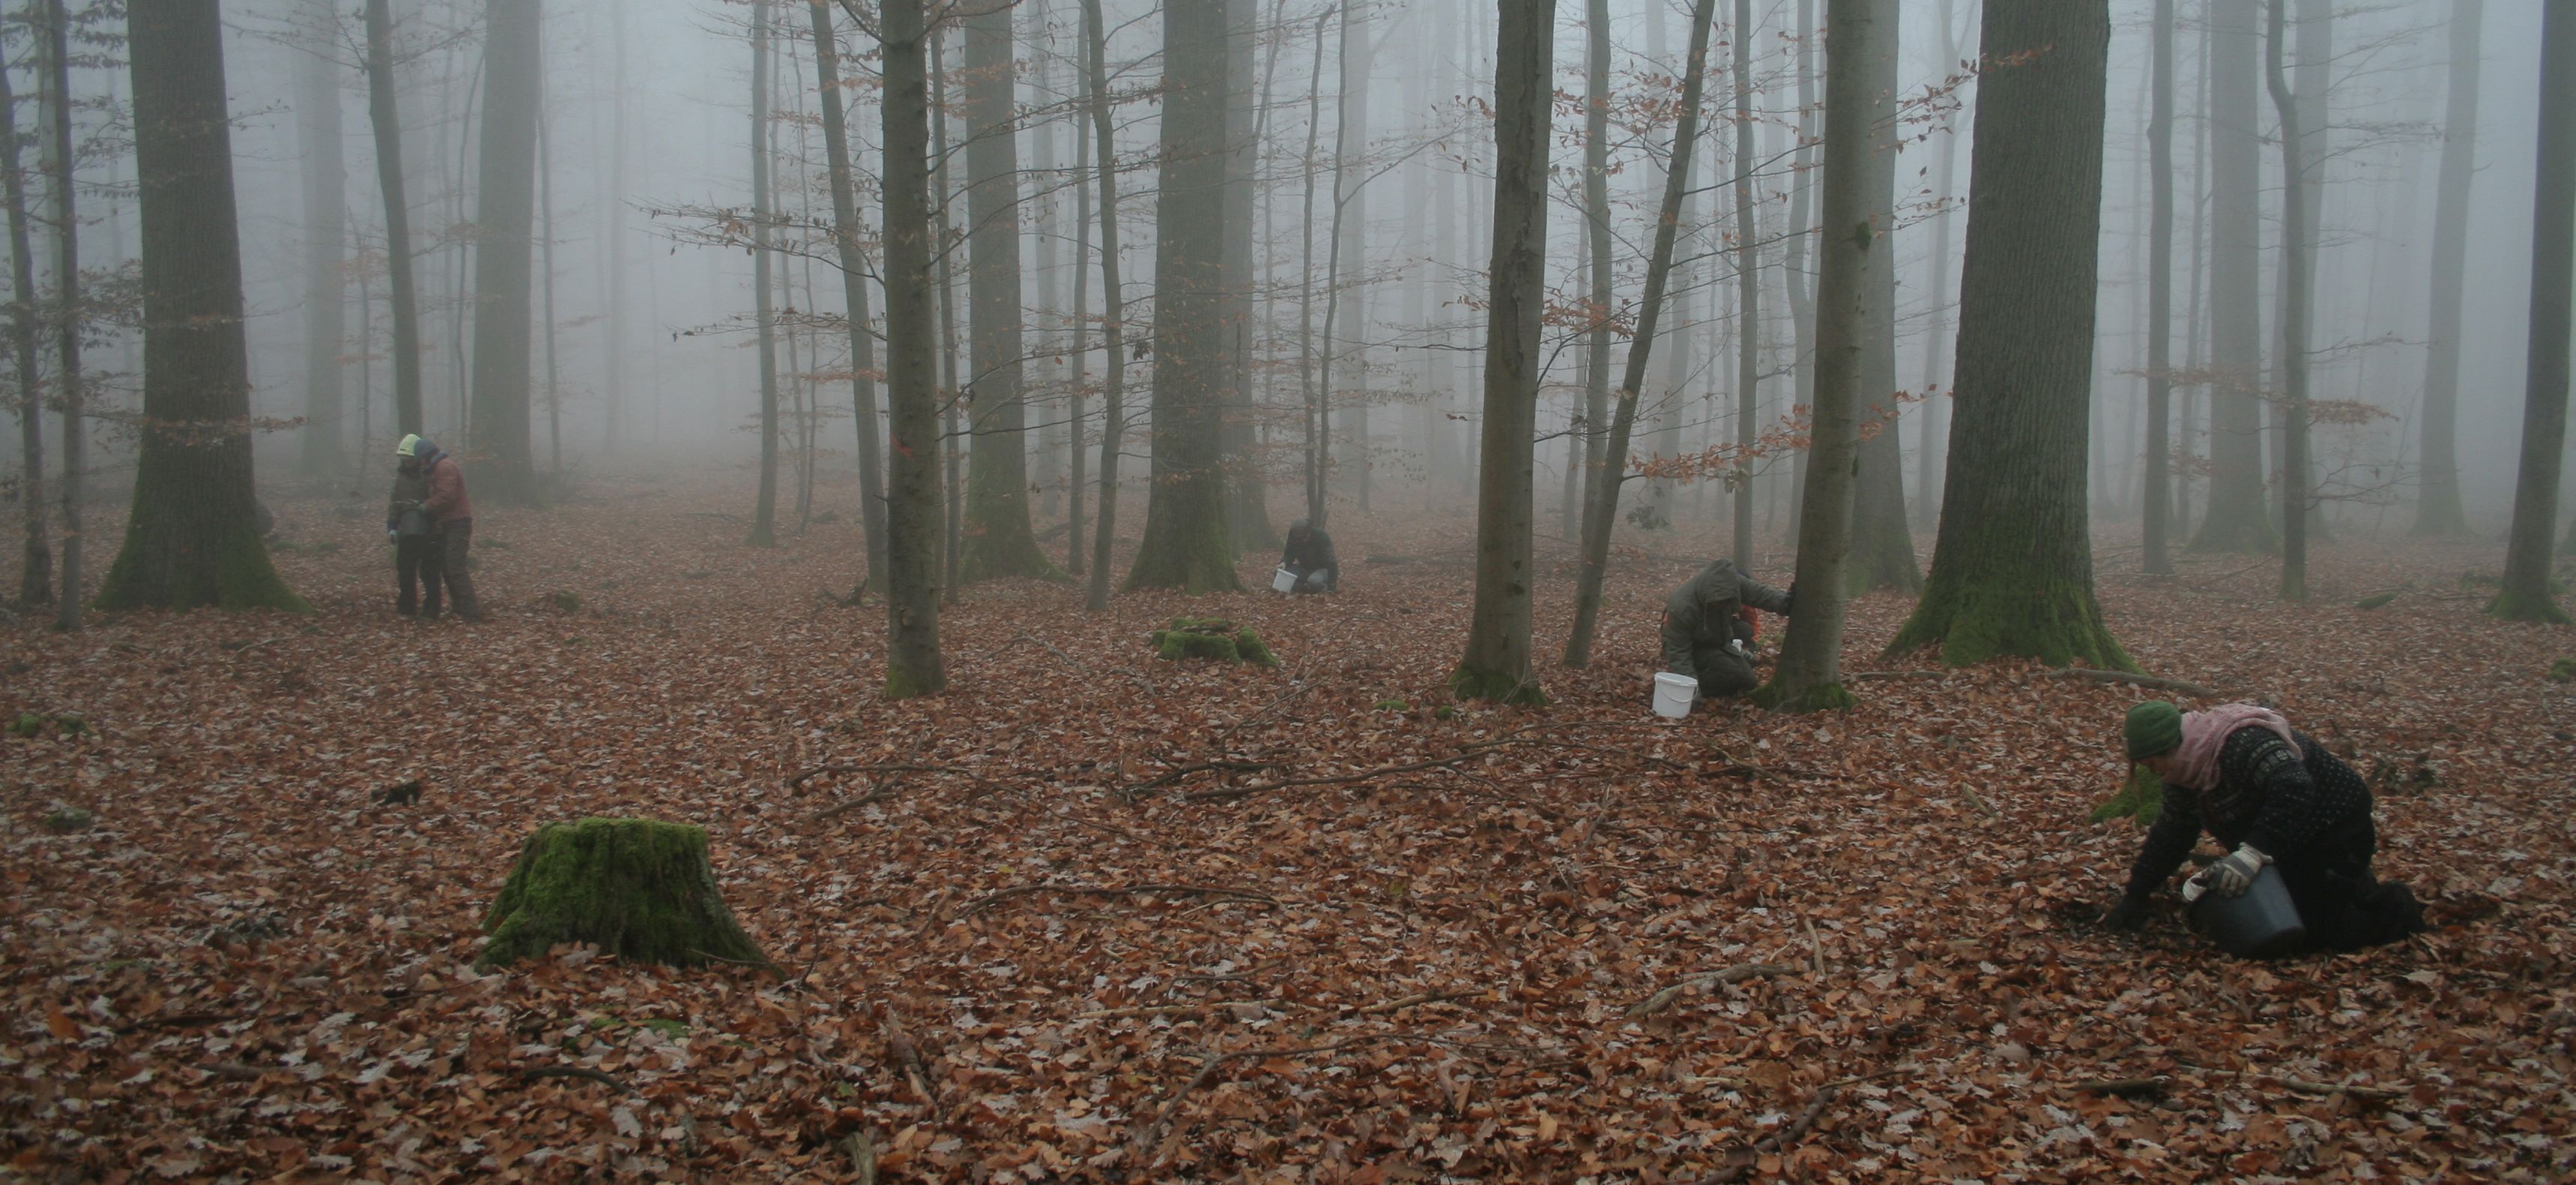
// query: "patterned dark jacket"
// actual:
[[2283, 800]]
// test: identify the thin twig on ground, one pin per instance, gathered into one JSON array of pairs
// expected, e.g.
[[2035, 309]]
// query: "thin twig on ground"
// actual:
[[1776, 1141], [2158, 682], [1049, 647], [583, 1073], [1169, 890], [1736, 974], [1417, 1000]]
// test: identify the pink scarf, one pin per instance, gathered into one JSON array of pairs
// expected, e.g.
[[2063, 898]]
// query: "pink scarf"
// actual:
[[2204, 732]]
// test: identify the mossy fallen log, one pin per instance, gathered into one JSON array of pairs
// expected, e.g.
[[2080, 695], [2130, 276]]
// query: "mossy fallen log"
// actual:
[[1212, 637], [639, 889]]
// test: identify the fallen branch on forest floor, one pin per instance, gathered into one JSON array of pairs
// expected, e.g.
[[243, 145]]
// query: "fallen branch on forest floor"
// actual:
[[1266, 709], [1176, 773], [1147, 1147], [587, 1075], [1417, 1000], [907, 1055], [1736, 974], [1049, 647], [1169, 890], [2158, 682], [1796, 1130], [2303, 1086]]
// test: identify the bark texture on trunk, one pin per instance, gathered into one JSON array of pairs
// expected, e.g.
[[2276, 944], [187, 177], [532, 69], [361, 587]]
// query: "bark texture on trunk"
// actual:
[[504, 251], [192, 538], [2438, 511], [846, 237], [1496, 664], [71, 396], [384, 113], [1113, 306], [2297, 230], [326, 182], [1186, 544], [2158, 526], [913, 662], [2525, 595], [2012, 571], [764, 511], [999, 541], [36, 566], [1882, 540], [2237, 518]]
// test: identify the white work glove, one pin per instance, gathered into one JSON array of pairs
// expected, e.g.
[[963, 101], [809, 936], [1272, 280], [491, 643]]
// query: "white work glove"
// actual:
[[2235, 874], [389, 536]]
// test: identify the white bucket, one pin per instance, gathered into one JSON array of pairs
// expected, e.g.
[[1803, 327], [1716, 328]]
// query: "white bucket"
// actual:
[[1283, 580], [1673, 694]]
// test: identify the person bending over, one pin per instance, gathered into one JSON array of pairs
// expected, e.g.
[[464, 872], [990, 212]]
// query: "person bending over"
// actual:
[[1309, 557], [1706, 633]]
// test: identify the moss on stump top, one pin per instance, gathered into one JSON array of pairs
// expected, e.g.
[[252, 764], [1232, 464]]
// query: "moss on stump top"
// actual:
[[1212, 637], [639, 889]]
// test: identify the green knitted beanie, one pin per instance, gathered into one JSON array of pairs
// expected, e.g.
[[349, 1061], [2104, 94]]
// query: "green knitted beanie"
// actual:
[[2154, 729]]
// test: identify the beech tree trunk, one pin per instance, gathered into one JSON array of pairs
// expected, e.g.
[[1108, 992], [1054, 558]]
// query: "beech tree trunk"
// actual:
[[2293, 284], [2525, 595], [2438, 511], [504, 248], [998, 541], [764, 511], [2158, 558], [2012, 570], [36, 565], [913, 662], [1748, 273], [2236, 519], [1113, 305], [1882, 541], [1935, 445], [72, 396], [1248, 507], [192, 538], [317, 117], [1185, 544], [402, 290], [846, 237], [1596, 233], [1496, 664]]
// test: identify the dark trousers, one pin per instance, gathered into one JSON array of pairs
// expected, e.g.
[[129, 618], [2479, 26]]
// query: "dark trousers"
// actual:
[[418, 562], [2342, 904], [1723, 672], [458, 539]]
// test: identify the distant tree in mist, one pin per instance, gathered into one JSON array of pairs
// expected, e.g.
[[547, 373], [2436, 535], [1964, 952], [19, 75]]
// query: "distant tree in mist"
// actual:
[[2526, 595], [505, 242]]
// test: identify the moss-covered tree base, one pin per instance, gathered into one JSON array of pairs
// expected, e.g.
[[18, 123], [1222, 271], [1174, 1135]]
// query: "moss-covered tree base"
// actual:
[[639, 889], [2058, 624], [1212, 637], [156, 570], [1822, 697], [1186, 550], [2513, 604], [994, 553], [1499, 687]]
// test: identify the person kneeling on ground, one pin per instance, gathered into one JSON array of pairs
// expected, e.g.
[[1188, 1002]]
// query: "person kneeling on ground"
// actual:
[[418, 549], [1706, 634], [2272, 796], [1309, 557]]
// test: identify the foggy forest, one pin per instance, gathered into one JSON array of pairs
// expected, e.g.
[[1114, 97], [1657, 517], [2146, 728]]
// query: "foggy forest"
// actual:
[[1652, 591]]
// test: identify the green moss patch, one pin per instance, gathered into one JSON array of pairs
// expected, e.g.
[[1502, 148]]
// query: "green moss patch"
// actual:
[[639, 889], [2142, 798], [2563, 671], [1212, 637]]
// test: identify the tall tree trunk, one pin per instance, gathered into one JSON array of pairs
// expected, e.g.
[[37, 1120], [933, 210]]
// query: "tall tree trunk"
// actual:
[[1882, 544], [1496, 664], [2438, 511], [764, 512], [846, 236], [73, 399], [999, 541], [1318, 404], [952, 395], [613, 362], [1601, 497], [2525, 595], [1113, 304], [193, 537], [1346, 302], [2158, 560], [1935, 444], [913, 662], [1809, 674], [2296, 242], [317, 117], [2236, 519], [1596, 232], [402, 291], [2012, 570], [36, 566], [1076, 555], [503, 250], [1185, 544], [1748, 267], [1248, 505]]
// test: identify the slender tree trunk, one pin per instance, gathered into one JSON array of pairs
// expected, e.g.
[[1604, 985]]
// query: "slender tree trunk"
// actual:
[[2012, 571], [546, 284], [317, 116], [36, 567], [913, 662], [2236, 519], [2525, 595], [1935, 444], [999, 541], [2158, 560], [1496, 664], [402, 291], [1601, 497], [846, 235], [193, 537], [1748, 269], [1185, 544], [68, 322], [507, 176], [2295, 246], [1318, 404], [2438, 511], [1076, 555], [1596, 231], [613, 364], [1882, 544], [1113, 306], [764, 513], [1247, 508], [953, 395]]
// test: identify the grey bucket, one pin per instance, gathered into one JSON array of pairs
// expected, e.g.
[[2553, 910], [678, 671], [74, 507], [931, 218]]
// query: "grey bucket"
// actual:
[[2260, 923]]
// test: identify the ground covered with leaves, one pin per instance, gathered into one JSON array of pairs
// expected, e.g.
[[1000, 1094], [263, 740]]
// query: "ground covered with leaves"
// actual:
[[1093, 915]]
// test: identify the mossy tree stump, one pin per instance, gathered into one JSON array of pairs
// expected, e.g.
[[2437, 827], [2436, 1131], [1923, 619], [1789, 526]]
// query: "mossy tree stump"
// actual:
[[639, 889], [1212, 637]]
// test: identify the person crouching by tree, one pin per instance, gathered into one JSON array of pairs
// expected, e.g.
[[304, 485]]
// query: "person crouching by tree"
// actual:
[[1707, 634], [2271, 795], [1309, 557], [414, 534], [453, 512]]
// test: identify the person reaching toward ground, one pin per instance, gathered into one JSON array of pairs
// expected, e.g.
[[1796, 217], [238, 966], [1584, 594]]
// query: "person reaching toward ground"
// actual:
[[2271, 795], [1707, 634], [1309, 557]]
